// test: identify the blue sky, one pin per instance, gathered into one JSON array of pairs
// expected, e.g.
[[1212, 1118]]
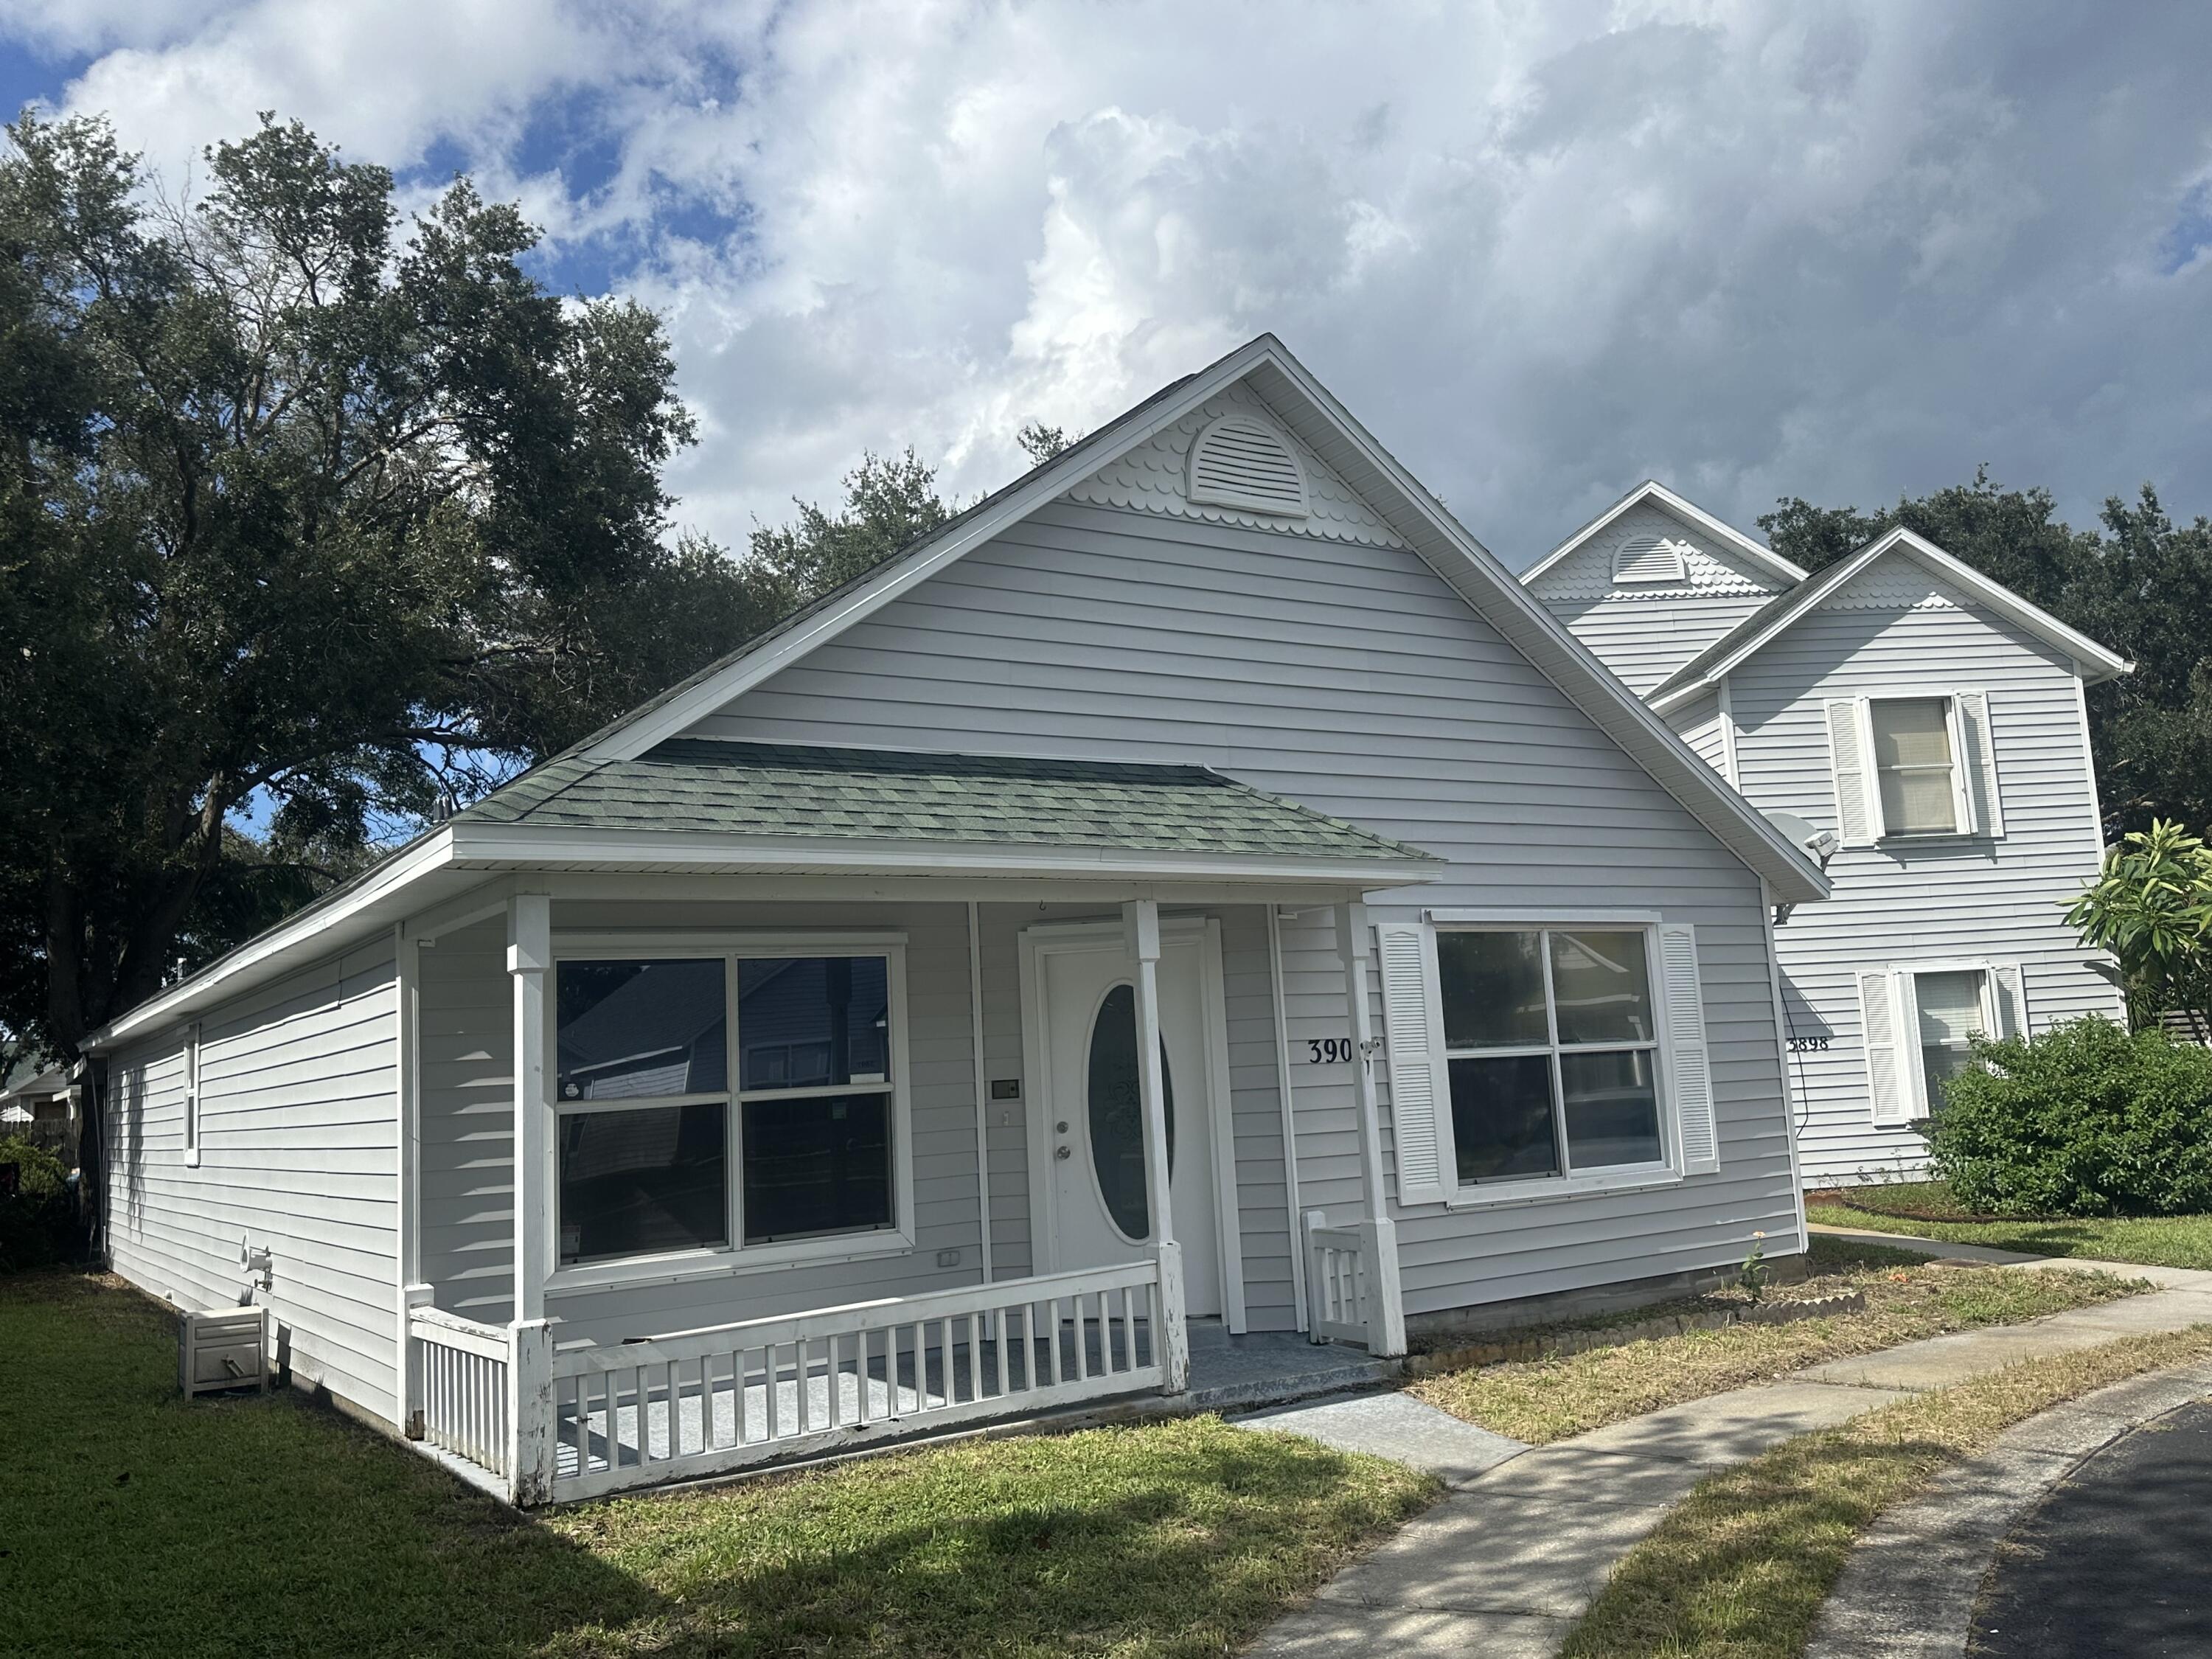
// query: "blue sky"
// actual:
[[1545, 250]]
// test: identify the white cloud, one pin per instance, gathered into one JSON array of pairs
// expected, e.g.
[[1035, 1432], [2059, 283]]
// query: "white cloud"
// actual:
[[1543, 250]]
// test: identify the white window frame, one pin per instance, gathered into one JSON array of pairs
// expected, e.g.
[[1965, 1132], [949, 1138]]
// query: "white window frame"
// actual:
[[1906, 975], [736, 1256], [192, 1096], [1522, 1189], [1962, 799]]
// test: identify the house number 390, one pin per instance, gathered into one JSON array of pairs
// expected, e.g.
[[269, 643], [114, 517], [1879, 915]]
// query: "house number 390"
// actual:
[[1327, 1051]]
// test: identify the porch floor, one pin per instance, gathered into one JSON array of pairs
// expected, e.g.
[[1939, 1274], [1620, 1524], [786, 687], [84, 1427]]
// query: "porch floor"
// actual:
[[1257, 1368]]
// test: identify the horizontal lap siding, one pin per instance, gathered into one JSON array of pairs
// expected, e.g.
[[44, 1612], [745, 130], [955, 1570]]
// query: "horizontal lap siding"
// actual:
[[1352, 679], [1645, 640], [2002, 899], [298, 1153]]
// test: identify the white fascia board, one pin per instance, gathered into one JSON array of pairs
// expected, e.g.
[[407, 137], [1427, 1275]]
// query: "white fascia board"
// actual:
[[318, 927], [656, 725], [1652, 491], [518, 846], [2092, 660], [1476, 575]]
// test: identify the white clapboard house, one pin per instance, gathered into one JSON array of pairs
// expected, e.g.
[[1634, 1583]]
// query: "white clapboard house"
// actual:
[[1194, 906], [1926, 720]]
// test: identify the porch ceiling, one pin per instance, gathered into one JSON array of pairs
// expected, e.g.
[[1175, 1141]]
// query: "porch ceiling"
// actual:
[[776, 806]]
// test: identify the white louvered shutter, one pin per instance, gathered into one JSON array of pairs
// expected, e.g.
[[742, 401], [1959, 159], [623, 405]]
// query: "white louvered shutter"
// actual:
[[2011, 999], [1690, 1071], [1979, 763], [1891, 1045], [1853, 769], [1419, 1089]]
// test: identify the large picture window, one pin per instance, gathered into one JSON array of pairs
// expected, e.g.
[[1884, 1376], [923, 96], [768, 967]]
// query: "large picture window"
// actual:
[[1551, 1041], [663, 1144]]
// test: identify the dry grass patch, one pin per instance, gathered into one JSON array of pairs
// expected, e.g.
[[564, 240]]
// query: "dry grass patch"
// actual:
[[1541, 1401], [1739, 1568]]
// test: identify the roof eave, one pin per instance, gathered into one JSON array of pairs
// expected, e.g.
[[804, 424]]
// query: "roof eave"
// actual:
[[494, 846]]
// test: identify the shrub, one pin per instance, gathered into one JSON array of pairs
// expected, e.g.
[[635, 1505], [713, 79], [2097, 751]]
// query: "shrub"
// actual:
[[36, 1229], [2087, 1119]]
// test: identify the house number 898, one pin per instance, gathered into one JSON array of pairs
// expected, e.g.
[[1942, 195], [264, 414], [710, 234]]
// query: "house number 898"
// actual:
[[1327, 1051]]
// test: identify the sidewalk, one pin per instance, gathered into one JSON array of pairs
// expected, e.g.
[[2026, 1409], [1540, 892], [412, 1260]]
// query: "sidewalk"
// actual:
[[1525, 1537]]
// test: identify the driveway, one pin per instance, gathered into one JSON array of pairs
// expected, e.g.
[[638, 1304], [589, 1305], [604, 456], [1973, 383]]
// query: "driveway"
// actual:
[[2117, 1559]]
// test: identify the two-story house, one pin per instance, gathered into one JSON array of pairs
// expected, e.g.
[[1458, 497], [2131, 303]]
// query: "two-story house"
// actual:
[[1923, 726]]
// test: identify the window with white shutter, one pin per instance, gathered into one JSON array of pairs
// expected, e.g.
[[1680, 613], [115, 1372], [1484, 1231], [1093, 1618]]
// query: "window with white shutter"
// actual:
[[1919, 1021], [1414, 1050], [1570, 1055], [1855, 824], [1911, 766]]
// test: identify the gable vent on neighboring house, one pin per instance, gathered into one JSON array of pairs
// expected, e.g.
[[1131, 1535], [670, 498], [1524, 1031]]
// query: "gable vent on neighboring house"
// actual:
[[1649, 559], [1239, 461]]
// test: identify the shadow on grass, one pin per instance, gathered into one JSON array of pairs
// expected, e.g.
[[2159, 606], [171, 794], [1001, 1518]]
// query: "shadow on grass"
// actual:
[[1175, 1538], [1742, 1567], [133, 1522]]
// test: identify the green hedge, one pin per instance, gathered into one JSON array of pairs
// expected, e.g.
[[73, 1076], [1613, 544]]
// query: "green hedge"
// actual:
[[2087, 1119], [36, 1227]]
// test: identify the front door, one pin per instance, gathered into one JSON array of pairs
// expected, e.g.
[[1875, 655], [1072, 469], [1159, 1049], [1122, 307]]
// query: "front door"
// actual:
[[1089, 1128]]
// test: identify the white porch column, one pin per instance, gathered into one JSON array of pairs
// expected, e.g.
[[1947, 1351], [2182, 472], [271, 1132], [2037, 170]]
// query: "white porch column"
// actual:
[[1378, 1235], [529, 954], [1140, 922]]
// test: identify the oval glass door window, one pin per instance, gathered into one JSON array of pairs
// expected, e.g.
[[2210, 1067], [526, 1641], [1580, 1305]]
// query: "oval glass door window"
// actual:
[[1117, 1126]]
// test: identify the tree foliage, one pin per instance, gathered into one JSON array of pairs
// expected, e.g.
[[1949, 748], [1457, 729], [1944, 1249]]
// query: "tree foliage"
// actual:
[[299, 515], [2151, 906], [889, 501], [2141, 587]]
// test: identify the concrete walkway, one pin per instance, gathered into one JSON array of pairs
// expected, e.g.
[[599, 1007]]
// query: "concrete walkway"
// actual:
[[1524, 1537]]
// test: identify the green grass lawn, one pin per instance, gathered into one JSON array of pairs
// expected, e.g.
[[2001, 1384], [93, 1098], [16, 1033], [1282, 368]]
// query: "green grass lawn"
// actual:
[[1925, 1209], [1540, 1400], [134, 1523]]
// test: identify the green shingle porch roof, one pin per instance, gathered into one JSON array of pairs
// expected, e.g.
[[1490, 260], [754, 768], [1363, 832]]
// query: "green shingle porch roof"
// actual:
[[704, 786]]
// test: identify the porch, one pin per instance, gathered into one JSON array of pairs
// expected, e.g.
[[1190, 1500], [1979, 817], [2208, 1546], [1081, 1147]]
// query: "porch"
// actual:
[[710, 1171]]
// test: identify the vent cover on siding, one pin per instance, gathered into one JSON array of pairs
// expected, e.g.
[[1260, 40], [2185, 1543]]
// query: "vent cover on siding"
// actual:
[[1648, 559], [1239, 461]]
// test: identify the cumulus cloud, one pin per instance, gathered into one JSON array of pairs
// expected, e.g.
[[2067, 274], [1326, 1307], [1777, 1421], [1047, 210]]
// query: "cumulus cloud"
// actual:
[[1544, 251]]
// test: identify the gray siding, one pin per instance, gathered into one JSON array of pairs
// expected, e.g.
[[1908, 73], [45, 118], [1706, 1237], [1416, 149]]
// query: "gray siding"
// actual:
[[1700, 725], [1644, 633], [1999, 900], [1350, 677], [298, 1152]]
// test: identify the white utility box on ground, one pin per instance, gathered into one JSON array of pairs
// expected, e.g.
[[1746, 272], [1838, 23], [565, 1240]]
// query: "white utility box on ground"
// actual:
[[223, 1348]]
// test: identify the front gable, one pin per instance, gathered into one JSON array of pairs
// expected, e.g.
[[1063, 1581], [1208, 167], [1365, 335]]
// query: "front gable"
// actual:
[[1610, 566], [1897, 580]]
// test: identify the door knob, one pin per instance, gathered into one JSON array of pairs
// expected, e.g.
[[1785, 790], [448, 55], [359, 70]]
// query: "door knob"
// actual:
[[1064, 1151]]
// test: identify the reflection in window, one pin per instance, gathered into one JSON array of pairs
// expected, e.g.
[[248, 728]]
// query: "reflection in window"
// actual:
[[1552, 1039], [816, 1165], [647, 1179], [630, 1031], [1115, 1107], [813, 1022]]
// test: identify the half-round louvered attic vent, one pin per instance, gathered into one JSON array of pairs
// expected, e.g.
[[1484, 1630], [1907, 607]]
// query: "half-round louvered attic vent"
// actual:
[[1648, 559], [1239, 461]]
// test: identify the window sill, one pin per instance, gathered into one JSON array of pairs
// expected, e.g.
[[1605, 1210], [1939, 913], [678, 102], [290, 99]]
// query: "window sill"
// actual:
[[633, 1273], [1533, 1192]]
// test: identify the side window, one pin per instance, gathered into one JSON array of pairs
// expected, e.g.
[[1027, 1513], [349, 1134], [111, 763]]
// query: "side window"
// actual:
[[191, 1094]]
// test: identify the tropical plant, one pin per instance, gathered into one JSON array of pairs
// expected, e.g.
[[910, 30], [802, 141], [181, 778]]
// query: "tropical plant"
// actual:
[[2151, 906]]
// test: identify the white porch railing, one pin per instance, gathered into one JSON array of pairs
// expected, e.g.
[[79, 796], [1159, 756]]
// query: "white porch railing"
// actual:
[[1336, 1282], [707, 1401], [481, 1396]]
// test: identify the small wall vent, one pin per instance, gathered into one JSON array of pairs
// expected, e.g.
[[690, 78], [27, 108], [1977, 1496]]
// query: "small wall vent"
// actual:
[[1649, 559], [1242, 462]]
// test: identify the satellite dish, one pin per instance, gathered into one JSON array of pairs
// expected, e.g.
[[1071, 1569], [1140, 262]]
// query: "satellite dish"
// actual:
[[1820, 844]]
